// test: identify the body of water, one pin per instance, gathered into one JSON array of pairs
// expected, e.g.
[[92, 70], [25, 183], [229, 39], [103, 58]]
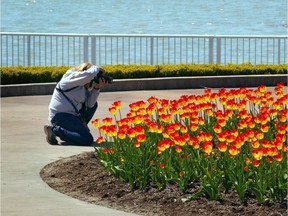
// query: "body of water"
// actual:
[[193, 17]]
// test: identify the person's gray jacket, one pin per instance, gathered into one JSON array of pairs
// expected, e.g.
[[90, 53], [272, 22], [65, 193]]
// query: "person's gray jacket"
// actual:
[[77, 96]]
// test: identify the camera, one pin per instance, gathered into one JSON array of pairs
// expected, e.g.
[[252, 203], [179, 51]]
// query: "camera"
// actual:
[[97, 79], [103, 78]]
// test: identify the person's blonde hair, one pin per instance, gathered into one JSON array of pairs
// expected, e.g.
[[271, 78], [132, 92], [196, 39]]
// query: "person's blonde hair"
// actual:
[[82, 67]]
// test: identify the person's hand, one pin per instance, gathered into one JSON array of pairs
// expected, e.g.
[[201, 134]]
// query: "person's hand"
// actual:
[[101, 70], [101, 84]]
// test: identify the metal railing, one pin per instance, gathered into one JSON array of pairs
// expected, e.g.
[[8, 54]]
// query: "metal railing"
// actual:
[[31, 49]]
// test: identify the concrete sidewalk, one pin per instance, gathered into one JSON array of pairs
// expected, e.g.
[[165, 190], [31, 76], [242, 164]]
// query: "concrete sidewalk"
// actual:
[[24, 152]]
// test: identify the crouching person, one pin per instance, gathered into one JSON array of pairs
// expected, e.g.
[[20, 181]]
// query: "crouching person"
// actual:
[[73, 104]]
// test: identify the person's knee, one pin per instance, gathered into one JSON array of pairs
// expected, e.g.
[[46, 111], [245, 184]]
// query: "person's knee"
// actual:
[[95, 105]]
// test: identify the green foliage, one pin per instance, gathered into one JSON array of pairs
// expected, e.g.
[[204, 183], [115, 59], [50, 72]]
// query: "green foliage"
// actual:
[[35, 74], [42, 74]]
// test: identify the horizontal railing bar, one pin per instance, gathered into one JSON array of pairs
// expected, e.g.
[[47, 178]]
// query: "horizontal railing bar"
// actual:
[[142, 35]]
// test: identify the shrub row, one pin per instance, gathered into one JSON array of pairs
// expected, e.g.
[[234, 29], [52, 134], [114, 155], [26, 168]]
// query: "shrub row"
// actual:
[[42, 74]]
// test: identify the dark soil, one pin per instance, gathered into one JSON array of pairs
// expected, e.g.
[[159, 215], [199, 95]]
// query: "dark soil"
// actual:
[[82, 177]]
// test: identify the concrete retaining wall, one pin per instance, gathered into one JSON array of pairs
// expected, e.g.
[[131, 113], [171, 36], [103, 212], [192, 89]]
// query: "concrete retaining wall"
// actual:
[[156, 84]]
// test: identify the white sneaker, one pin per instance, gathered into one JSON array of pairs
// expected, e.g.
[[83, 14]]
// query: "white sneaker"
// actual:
[[50, 136]]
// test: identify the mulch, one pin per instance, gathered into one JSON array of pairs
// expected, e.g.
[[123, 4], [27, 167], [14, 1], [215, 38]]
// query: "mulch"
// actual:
[[82, 177]]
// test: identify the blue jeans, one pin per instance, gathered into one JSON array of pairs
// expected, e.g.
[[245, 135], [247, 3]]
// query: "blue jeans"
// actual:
[[74, 129]]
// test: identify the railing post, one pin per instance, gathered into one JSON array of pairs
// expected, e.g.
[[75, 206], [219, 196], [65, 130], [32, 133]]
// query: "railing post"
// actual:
[[151, 52], [279, 53], [93, 50], [211, 50], [218, 50], [28, 50], [85, 54]]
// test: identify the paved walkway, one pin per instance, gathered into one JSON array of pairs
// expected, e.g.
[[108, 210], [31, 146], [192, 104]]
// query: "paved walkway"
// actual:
[[24, 152]]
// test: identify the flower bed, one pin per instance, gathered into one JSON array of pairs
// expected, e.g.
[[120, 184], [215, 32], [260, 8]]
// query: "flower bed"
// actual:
[[226, 140]]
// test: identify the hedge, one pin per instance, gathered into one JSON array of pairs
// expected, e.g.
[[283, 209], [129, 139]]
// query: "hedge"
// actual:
[[43, 74]]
